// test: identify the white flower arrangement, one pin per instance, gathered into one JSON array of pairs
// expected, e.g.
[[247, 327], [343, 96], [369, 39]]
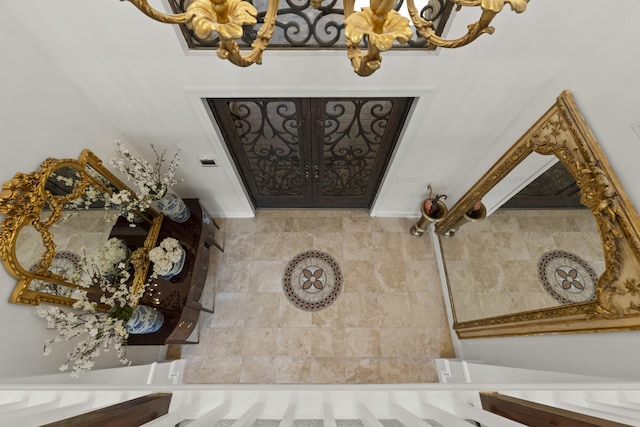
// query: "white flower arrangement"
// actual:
[[101, 330], [150, 182], [108, 259], [165, 256]]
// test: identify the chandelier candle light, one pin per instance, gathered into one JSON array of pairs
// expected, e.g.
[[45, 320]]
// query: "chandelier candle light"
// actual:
[[379, 23]]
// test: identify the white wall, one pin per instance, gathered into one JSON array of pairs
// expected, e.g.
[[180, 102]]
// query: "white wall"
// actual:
[[475, 101], [107, 60], [55, 119], [604, 82], [168, 373], [457, 371], [607, 354]]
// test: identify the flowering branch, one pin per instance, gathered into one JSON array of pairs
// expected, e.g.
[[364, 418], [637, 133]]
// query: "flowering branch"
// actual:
[[104, 332], [89, 198], [151, 183], [101, 330]]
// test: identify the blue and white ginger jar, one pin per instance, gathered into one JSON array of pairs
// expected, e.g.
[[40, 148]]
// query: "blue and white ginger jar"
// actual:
[[144, 320], [172, 206]]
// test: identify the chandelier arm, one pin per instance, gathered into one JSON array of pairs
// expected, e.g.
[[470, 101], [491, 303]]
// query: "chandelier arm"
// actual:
[[425, 29], [229, 49], [496, 6], [143, 5]]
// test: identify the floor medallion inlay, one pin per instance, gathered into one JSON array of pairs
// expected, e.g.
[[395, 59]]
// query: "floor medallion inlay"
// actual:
[[566, 277], [312, 280]]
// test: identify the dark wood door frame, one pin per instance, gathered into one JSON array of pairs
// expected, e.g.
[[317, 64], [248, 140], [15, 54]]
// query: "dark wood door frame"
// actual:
[[311, 152], [535, 414], [131, 413]]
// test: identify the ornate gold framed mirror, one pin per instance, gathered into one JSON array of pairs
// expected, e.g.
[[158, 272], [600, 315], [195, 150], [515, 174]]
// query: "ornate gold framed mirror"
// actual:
[[55, 215], [614, 281]]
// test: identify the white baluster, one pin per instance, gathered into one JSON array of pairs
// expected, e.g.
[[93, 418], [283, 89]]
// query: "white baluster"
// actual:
[[440, 415], [251, 414], [328, 419], [289, 415], [213, 416], [465, 410], [367, 417], [406, 417]]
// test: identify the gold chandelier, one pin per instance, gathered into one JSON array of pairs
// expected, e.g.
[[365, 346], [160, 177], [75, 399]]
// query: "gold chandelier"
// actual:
[[379, 23]]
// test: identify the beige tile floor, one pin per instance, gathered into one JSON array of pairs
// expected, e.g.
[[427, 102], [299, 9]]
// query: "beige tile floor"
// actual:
[[386, 326]]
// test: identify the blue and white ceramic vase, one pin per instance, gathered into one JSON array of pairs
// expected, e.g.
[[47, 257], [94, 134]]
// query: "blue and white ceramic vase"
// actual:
[[144, 320], [177, 267], [173, 207]]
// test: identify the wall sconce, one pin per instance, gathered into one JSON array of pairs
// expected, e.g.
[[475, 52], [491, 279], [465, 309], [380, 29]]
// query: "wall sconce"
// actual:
[[432, 210], [477, 213]]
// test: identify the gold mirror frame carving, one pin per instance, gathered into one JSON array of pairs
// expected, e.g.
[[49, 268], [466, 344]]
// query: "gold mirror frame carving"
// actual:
[[23, 200], [563, 132]]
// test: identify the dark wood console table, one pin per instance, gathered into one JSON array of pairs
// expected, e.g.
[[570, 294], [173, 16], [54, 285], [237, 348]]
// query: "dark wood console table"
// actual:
[[178, 299]]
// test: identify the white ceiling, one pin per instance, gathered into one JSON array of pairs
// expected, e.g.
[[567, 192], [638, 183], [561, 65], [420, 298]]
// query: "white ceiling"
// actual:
[[80, 73]]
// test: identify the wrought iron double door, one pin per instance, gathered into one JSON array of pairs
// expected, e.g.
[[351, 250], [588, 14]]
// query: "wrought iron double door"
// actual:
[[311, 152]]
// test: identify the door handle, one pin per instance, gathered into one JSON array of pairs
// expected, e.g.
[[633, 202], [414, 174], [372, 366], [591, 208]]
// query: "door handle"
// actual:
[[306, 172]]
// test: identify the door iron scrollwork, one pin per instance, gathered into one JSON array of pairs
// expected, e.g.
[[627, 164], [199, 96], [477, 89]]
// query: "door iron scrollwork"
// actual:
[[316, 152]]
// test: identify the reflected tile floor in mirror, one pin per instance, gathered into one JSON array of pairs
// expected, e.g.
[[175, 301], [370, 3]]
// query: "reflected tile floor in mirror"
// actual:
[[492, 265], [386, 326]]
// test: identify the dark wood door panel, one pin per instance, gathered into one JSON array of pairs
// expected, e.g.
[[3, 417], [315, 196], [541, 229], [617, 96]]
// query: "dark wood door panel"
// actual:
[[357, 139], [264, 138]]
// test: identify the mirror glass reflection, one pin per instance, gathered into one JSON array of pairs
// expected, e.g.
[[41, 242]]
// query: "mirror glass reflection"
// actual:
[[29, 248], [84, 226], [62, 181], [537, 248], [78, 232]]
